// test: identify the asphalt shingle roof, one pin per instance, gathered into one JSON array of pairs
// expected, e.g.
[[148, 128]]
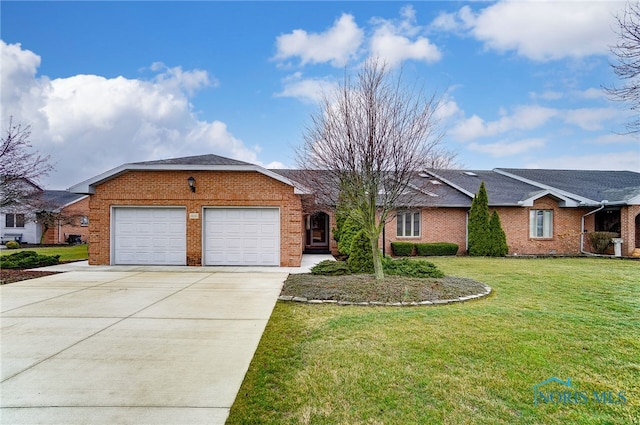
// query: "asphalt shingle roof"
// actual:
[[54, 199], [501, 190], [196, 160], [612, 186]]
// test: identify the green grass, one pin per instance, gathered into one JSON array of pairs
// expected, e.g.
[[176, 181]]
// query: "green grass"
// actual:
[[469, 363], [66, 252]]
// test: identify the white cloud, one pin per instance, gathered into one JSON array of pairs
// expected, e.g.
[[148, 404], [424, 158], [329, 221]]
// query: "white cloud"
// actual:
[[179, 80], [90, 123], [336, 45], [540, 30], [524, 118], [590, 119], [601, 161], [504, 148], [397, 40], [309, 90]]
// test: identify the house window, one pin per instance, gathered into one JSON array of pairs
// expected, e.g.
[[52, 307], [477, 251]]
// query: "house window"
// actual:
[[541, 223], [84, 220], [408, 223], [14, 220]]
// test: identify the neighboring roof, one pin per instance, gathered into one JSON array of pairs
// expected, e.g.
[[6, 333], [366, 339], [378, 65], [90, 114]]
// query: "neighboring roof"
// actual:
[[501, 190], [195, 163], [588, 186], [58, 199]]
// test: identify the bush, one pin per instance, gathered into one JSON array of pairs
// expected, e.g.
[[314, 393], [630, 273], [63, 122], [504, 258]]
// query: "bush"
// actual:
[[436, 248], [601, 240], [330, 268], [411, 268], [12, 245], [348, 231], [498, 246], [361, 258], [28, 260], [402, 249]]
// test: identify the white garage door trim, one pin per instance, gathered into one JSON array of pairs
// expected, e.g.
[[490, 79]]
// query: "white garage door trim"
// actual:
[[148, 235], [242, 236]]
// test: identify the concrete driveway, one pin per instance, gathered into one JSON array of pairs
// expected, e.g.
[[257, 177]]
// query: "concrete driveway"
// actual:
[[107, 346]]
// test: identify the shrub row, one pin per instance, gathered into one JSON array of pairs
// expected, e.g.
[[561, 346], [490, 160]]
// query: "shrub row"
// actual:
[[28, 260], [406, 249], [400, 267]]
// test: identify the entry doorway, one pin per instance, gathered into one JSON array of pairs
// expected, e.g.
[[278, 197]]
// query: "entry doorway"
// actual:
[[638, 231], [316, 233]]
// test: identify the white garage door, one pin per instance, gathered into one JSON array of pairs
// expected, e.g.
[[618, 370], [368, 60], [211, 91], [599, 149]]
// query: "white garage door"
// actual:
[[146, 235], [242, 236]]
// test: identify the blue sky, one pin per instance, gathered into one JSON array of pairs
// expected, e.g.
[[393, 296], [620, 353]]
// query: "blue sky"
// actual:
[[104, 83]]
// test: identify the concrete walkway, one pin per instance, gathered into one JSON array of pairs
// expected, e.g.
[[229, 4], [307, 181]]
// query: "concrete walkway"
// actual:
[[131, 345]]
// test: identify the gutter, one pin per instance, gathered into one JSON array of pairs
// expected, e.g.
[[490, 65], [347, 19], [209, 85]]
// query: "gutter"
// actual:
[[602, 205]]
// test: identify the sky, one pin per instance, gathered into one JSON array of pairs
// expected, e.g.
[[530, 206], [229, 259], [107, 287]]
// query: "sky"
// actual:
[[106, 83]]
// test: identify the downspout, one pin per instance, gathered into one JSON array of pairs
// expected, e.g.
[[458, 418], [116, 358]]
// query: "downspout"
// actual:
[[602, 205]]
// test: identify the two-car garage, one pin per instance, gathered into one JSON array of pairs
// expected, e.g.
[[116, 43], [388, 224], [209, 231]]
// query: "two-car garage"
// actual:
[[243, 236]]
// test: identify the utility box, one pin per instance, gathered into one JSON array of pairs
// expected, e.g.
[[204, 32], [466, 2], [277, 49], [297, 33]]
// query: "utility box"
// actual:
[[617, 246]]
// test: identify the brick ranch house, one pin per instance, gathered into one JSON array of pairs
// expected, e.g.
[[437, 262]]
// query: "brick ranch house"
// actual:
[[210, 210], [67, 217]]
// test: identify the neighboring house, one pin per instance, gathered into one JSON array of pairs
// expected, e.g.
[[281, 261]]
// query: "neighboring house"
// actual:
[[50, 216], [63, 217], [211, 210]]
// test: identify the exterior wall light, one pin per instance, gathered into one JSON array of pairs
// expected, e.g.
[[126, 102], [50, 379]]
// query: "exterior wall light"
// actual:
[[192, 183]]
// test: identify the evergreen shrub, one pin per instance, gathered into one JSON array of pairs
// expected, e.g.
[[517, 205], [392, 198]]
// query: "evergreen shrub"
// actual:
[[361, 258], [436, 248], [402, 249], [28, 260], [330, 268]]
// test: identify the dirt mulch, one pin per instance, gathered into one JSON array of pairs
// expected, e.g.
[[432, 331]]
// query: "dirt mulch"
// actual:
[[16, 275]]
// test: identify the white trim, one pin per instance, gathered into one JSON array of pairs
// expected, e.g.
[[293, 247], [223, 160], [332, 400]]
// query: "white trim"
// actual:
[[88, 186], [566, 202]]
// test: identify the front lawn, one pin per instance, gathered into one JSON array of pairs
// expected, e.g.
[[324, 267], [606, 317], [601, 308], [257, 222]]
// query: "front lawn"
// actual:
[[66, 252], [469, 363]]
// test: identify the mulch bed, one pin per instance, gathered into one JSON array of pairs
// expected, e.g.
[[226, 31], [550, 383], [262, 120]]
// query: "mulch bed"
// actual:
[[16, 275], [364, 288]]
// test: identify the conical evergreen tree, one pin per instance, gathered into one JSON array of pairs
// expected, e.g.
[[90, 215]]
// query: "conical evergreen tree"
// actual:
[[478, 228], [497, 236]]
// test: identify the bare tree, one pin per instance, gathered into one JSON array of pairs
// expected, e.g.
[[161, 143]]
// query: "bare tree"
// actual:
[[627, 51], [20, 166], [365, 143]]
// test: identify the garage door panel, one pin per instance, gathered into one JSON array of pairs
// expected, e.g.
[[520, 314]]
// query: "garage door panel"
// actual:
[[149, 235], [242, 236]]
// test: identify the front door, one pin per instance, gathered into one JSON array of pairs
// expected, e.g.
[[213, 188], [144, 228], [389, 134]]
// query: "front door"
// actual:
[[317, 232]]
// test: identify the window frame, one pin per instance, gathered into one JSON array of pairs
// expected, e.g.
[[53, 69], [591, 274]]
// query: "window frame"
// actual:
[[401, 221], [84, 220], [15, 220], [541, 221]]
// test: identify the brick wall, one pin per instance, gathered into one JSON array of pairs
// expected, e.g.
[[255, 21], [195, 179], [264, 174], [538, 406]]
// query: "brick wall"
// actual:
[[213, 188], [58, 234], [628, 229], [449, 225]]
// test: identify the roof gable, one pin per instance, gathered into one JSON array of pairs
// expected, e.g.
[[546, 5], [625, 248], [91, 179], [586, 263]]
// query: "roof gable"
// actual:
[[195, 163]]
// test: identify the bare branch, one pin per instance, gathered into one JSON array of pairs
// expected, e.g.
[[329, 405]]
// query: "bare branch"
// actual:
[[364, 145], [627, 50], [20, 167]]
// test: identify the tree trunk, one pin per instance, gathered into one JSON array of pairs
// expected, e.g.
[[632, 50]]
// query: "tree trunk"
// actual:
[[377, 259]]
